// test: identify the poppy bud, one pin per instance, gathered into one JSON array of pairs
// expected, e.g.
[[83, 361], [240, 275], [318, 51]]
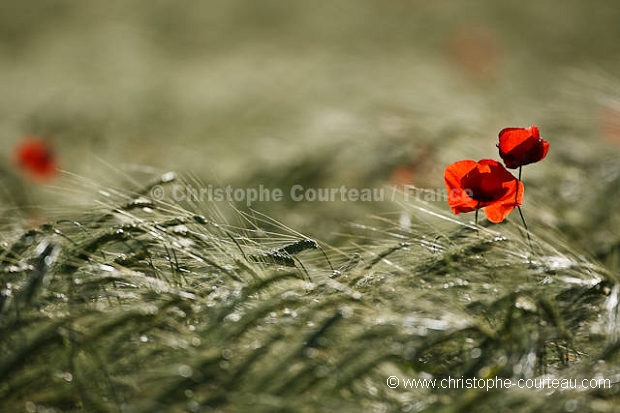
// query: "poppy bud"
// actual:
[[521, 146]]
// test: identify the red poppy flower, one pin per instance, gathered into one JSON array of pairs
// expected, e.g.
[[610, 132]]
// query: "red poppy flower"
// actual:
[[36, 158], [485, 184], [521, 146]]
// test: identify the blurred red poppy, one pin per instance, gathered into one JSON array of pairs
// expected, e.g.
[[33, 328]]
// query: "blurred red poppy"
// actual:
[[521, 146], [485, 184], [609, 121], [475, 51], [36, 158], [403, 175]]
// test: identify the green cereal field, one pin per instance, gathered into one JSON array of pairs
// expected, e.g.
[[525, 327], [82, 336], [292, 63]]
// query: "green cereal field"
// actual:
[[241, 206]]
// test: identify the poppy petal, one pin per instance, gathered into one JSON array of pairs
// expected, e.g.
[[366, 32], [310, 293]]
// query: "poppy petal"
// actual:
[[458, 197], [456, 171], [513, 198]]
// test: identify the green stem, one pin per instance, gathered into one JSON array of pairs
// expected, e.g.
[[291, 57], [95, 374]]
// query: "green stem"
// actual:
[[527, 232]]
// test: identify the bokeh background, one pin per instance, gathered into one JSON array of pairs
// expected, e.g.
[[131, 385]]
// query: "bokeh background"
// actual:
[[124, 304], [356, 93]]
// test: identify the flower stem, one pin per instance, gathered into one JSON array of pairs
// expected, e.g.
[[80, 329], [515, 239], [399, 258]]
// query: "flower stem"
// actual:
[[527, 232]]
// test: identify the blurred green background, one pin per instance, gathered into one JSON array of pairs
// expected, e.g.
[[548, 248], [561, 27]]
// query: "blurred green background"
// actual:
[[99, 313], [360, 93]]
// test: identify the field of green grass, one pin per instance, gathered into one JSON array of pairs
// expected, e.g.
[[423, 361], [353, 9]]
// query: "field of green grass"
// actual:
[[124, 286]]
